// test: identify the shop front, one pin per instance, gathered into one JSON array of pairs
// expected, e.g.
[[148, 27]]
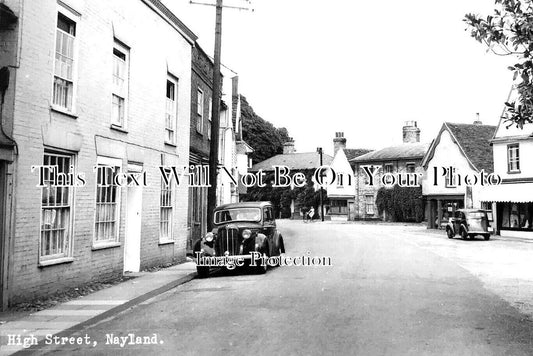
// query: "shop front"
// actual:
[[439, 208], [513, 207]]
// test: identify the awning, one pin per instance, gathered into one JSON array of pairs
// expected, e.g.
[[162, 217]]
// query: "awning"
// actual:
[[514, 193]]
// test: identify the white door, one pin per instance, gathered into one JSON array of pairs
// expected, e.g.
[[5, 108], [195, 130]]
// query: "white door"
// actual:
[[132, 243]]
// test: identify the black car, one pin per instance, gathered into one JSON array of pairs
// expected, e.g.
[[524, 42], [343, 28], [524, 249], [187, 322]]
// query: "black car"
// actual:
[[242, 232]]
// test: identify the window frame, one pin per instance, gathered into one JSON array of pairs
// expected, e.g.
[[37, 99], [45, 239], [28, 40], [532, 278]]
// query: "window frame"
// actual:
[[170, 222], [209, 118], [386, 166], [97, 244], [75, 18], [510, 148], [67, 255], [124, 93], [174, 81], [372, 204], [200, 111]]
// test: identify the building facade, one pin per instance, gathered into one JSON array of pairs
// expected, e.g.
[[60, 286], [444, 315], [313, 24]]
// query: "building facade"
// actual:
[[459, 150], [341, 191], [89, 88], [512, 200], [200, 138], [398, 159]]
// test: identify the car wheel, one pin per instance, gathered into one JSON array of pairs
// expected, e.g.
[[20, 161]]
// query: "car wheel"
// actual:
[[450, 233], [464, 234], [203, 272], [259, 268], [486, 236], [281, 246]]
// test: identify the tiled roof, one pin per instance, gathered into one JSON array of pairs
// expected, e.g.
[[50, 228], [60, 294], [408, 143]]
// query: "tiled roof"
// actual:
[[475, 142], [391, 153], [295, 161], [355, 152]]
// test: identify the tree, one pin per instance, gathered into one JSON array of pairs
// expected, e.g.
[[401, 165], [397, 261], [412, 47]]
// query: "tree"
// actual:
[[266, 140], [509, 31]]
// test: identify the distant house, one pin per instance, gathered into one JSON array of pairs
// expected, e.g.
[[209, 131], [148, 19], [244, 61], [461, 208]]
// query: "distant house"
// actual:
[[403, 158], [512, 200], [233, 150], [341, 193], [296, 162], [465, 148]]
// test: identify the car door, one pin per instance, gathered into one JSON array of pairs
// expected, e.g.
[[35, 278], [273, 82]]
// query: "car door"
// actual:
[[269, 226]]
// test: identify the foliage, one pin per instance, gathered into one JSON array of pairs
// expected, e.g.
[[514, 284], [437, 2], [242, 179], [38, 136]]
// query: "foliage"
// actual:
[[509, 31], [266, 140], [401, 203], [281, 198]]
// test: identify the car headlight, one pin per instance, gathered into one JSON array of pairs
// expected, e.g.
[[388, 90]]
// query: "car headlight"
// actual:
[[246, 234], [209, 237]]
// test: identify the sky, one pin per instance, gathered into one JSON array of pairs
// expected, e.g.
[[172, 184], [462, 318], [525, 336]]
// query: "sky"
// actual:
[[361, 67]]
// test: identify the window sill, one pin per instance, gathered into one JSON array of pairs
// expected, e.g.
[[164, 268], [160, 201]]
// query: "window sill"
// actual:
[[118, 128], [514, 172], [104, 246], [166, 242], [63, 111], [56, 261], [170, 144]]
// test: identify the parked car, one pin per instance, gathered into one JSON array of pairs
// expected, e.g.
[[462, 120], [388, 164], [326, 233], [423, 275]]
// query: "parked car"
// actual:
[[242, 230], [468, 223]]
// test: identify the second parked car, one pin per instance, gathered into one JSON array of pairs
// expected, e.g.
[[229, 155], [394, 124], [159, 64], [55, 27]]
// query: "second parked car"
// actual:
[[468, 223]]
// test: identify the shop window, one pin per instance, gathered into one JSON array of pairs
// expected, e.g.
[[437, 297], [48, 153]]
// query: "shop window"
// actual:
[[517, 216]]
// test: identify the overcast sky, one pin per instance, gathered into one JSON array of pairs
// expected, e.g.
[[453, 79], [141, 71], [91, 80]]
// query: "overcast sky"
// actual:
[[362, 67]]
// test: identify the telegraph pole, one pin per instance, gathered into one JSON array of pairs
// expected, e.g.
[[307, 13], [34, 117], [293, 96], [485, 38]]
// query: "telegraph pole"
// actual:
[[215, 121], [215, 114], [319, 150]]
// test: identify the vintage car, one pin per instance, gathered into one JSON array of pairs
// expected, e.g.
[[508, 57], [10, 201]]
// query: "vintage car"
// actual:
[[468, 223], [241, 231]]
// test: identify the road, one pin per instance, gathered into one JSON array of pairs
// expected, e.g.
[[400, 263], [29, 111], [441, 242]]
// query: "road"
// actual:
[[385, 294]]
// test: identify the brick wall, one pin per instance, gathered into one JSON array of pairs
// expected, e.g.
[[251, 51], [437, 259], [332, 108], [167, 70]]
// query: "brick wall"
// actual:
[[202, 78], [88, 134]]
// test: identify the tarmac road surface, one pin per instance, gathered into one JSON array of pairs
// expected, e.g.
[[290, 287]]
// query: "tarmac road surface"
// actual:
[[382, 296]]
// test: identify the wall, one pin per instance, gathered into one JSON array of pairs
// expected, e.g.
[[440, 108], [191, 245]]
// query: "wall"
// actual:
[[136, 25]]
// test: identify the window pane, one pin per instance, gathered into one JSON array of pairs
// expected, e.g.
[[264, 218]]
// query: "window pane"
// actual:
[[107, 204], [55, 210]]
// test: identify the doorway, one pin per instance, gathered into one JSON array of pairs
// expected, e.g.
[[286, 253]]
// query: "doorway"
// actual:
[[132, 241]]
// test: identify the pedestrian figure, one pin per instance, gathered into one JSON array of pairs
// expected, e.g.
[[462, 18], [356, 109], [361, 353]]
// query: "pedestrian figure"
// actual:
[[305, 210], [311, 213]]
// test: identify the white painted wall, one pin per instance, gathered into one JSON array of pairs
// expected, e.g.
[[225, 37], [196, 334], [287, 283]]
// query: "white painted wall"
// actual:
[[500, 158], [341, 165], [447, 153]]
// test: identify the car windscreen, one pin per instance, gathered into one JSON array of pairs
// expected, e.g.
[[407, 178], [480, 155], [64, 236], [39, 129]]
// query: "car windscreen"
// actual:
[[238, 214]]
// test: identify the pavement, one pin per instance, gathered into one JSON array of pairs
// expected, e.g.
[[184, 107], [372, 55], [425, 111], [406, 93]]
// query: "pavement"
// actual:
[[391, 290], [66, 318]]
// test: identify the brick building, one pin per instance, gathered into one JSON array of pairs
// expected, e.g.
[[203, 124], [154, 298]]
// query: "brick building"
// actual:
[[89, 86], [200, 138], [403, 158]]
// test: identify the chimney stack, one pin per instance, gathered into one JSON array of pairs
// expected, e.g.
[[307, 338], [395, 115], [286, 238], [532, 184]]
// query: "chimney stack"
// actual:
[[478, 121], [338, 142], [288, 147], [411, 133]]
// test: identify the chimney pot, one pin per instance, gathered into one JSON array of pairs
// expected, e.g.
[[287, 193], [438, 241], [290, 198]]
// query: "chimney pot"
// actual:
[[411, 133], [339, 142], [478, 121]]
